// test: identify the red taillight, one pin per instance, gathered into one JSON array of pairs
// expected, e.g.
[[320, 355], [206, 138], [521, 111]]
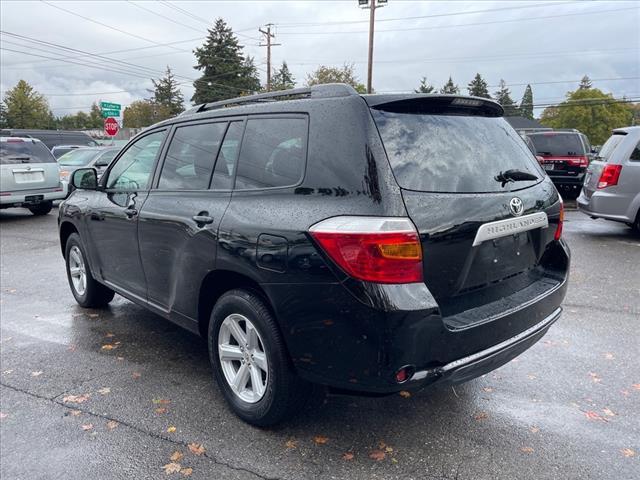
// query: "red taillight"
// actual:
[[558, 233], [609, 176], [14, 140], [373, 249], [578, 161]]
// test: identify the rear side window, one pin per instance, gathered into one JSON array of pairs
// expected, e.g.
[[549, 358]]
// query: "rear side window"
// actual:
[[14, 152], [558, 144], [635, 155], [609, 146], [273, 153], [453, 153], [191, 156]]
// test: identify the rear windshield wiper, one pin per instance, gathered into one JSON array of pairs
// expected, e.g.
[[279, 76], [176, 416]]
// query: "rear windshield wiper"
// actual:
[[514, 176]]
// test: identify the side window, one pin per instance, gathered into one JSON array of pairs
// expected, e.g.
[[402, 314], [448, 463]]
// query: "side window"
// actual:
[[133, 169], [635, 155], [272, 153], [191, 156], [223, 173]]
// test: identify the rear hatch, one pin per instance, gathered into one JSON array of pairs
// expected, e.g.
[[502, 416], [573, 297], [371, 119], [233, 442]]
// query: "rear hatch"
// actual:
[[485, 241], [594, 171], [563, 153], [27, 165]]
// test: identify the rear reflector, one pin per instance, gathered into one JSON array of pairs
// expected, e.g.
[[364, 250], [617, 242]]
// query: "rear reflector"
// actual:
[[610, 175], [372, 249], [558, 233]]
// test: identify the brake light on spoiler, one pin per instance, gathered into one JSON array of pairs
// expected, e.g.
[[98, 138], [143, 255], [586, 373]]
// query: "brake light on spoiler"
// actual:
[[372, 249]]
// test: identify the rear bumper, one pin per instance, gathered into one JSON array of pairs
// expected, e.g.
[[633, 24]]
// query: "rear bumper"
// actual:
[[26, 198], [568, 180], [605, 205]]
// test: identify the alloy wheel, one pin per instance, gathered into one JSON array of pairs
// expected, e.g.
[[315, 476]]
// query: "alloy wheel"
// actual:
[[77, 270]]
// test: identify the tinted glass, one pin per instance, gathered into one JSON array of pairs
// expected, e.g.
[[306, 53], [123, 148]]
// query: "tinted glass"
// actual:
[[272, 153], [223, 174], [59, 152], [106, 158], [609, 146], [78, 158], [133, 169], [191, 157], [447, 153], [19, 151], [635, 155], [558, 144]]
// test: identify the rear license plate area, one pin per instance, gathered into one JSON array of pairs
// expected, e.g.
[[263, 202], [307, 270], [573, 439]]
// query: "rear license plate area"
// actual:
[[28, 177], [33, 198]]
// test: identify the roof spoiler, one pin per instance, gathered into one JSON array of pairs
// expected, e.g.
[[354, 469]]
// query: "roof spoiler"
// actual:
[[435, 104]]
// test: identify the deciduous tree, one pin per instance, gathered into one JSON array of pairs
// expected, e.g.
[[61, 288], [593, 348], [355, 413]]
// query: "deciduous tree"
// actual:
[[345, 74], [143, 113]]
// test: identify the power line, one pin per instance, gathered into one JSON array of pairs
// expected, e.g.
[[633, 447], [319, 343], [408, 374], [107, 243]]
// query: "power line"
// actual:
[[163, 16]]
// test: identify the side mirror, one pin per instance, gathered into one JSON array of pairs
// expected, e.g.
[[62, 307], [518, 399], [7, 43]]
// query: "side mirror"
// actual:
[[85, 179]]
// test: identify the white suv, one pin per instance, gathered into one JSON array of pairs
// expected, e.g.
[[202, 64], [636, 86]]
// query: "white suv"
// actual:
[[29, 175]]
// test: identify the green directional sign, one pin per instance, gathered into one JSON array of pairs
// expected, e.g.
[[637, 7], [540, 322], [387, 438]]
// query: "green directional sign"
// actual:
[[109, 106], [110, 113]]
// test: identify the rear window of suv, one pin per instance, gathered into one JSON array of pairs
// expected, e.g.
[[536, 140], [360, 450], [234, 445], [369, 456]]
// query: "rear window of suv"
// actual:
[[558, 144], [13, 152], [453, 153]]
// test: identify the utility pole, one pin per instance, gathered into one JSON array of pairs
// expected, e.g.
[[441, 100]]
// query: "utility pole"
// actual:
[[371, 5], [268, 36]]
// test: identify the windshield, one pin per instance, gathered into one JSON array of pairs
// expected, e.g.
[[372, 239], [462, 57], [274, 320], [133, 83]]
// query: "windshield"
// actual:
[[20, 151], [558, 144], [78, 157], [609, 146], [453, 153]]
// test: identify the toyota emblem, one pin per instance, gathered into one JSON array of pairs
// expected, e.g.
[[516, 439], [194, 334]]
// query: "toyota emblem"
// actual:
[[516, 206]]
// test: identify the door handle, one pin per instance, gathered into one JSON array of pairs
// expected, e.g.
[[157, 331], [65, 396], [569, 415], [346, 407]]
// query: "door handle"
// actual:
[[131, 212], [202, 220]]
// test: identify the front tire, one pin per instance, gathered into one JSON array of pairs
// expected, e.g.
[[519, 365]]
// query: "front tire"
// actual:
[[87, 291], [250, 362], [42, 208]]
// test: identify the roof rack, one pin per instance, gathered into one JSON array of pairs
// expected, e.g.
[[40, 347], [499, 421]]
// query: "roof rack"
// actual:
[[327, 90]]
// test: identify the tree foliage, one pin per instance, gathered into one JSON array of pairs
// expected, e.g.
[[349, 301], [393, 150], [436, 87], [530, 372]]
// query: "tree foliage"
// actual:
[[591, 111], [23, 107], [425, 86], [282, 78], [585, 83], [478, 87], [345, 74], [526, 104], [167, 93], [81, 120], [143, 113], [226, 73], [450, 87], [503, 97]]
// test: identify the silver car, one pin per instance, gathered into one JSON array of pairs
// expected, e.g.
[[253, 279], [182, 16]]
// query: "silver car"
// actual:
[[612, 183], [96, 157]]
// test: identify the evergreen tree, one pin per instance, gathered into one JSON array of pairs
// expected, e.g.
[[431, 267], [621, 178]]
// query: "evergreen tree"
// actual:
[[478, 87], [585, 83], [167, 93], [526, 104], [503, 97], [425, 87], [336, 75], [23, 107], [282, 78], [450, 87], [226, 73]]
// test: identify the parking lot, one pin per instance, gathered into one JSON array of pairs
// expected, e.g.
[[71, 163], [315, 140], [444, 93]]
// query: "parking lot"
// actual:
[[116, 393]]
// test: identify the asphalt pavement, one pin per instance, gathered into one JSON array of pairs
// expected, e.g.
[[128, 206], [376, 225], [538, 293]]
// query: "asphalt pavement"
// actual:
[[122, 393]]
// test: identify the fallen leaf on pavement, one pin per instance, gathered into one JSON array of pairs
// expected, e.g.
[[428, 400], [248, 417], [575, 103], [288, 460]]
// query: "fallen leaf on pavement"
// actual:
[[347, 456], [405, 394], [7, 372], [36, 374], [76, 398], [608, 412], [609, 356], [176, 456], [108, 346], [161, 410], [627, 452], [120, 359], [595, 377], [104, 391], [531, 377], [110, 335], [186, 472], [172, 467], [111, 424], [291, 444], [320, 440], [161, 401], [75, 413], [488, 389], [3, 415], [636, 386], [591, 415], [196, 448], [87, 426], [534, 429], [527, 450], [388, 449], [481, 416], [377, 455], [171, 429], [136, 375], [71, 348]]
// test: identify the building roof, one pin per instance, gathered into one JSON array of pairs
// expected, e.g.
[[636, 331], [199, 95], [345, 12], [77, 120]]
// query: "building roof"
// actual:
[[523, 123]]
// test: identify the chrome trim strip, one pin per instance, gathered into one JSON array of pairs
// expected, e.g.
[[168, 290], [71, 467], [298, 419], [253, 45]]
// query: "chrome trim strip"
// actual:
[[489, 351], [510, 226]]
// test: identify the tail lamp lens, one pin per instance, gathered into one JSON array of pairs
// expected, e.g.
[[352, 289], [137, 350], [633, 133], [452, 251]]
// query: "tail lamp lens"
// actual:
[[579, 161], [558, 233], [372, 249], [609, 176]]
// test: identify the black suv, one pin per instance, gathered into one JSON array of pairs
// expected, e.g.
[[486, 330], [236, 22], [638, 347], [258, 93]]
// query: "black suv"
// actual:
[[370, 244], [565, 155]]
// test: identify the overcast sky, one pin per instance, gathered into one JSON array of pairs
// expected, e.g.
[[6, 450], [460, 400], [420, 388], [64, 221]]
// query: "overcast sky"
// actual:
[[547, 44]]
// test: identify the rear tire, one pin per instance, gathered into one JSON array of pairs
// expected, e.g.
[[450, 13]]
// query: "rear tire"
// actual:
[[269, 390], [635, 226], [87, 291], [41, 208]]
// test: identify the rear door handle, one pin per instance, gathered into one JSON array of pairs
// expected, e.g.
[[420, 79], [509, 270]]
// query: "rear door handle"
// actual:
[[202, 220]]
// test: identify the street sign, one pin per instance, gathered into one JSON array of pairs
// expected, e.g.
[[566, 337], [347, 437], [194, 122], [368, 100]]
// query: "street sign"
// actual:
[[111, 126], [110, 113], [109, 106]]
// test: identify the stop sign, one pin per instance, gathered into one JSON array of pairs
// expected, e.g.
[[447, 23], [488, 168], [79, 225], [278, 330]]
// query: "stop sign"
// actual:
[[111, 126]]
